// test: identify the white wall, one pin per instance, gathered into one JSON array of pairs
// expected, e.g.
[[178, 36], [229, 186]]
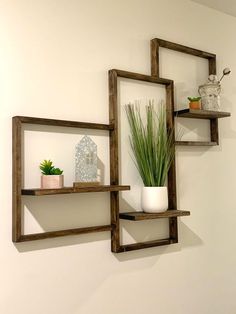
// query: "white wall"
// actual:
[[54, 58]]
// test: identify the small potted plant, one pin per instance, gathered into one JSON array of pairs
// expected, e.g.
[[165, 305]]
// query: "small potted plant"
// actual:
[[154, 150], [194, 102], [52, 177]]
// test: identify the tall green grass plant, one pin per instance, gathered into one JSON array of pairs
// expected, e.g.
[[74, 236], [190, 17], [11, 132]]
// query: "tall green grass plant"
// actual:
[[152, 144]]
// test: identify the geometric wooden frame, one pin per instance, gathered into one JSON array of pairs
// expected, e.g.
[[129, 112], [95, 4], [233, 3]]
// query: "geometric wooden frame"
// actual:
[[114, 188], [156, 43], [116, 245], [18, 191]]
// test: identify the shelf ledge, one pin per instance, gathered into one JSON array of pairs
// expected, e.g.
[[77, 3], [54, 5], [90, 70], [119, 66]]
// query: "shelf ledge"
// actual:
[[195, 143], [69, 190], [201, 114], [137, 216]]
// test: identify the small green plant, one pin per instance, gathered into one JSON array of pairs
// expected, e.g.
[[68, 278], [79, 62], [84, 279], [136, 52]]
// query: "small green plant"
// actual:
[[47, 168], [151, 142], [192, 99]]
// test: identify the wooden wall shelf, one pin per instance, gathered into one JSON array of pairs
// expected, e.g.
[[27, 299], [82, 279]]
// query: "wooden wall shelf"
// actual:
[[156, 44], [137, 216], [201, 114], [213, 116], [18, 191], [112, 127], [172, 215], [69, 190]]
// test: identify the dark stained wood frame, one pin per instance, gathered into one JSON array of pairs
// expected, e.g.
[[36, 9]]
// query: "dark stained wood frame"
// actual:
[[116, 245], [156, 43], [17, 179], [137, 216]]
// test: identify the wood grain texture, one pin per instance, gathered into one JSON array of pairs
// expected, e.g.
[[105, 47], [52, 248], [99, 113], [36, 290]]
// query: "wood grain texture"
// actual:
[[137, 216], [201, 114], [114, 172], [16, 179], [114, 160], [195, 143], [156, 43], [155, 60], [141, 77], [69, 190], [17, 174], [184, 49], [144, 245], [212, 65], [65, 123], [172, 198], [62, 233], [214, 129], [173, 230]]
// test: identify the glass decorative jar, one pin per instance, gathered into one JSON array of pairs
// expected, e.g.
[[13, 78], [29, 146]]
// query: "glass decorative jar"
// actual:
[[86, 161], [210, 94]]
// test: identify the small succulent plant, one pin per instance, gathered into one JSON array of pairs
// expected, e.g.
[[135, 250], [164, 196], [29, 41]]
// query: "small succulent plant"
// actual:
[[191, 99], [47, 168]]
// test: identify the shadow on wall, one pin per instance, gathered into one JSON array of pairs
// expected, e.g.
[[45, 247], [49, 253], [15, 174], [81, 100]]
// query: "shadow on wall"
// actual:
[[187, 238], [60, 212]]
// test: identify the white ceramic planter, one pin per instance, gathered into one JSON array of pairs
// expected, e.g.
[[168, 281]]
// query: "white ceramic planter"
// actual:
[[154, 199], [52, 182]]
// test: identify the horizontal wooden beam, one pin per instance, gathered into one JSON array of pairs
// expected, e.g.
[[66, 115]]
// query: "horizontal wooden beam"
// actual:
[[181, 48], [62, 233], [141, 77], [69, 190], [195, 143], [65, 123], [144, 245]]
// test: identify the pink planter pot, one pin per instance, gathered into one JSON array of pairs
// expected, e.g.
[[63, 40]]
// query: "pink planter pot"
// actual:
[[52, 182]]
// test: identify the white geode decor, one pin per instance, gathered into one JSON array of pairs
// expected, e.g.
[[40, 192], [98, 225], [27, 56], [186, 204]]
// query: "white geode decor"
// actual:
[[86, 161]]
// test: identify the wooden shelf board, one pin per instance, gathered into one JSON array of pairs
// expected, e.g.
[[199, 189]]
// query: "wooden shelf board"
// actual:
[[136, 216], [196, 143], [61, 233], [145, 245], [69, 190], [201, 114]]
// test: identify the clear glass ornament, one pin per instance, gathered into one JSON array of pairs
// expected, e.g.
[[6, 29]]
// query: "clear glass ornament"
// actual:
[[210, 94], [86, 160]]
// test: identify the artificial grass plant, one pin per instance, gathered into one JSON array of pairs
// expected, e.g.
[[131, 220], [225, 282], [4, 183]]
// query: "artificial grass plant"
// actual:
[[151, 142]]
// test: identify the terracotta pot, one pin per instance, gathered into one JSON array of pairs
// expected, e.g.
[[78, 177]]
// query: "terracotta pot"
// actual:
[[154, 199], [195, 105], [52, 181]]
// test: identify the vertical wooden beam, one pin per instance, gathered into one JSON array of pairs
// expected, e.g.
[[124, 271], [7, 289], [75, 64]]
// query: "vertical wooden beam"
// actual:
[[16, 179], [214, 131], [213, 122], [154, 49], [114, 165], [173, 224], [212, 65]]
